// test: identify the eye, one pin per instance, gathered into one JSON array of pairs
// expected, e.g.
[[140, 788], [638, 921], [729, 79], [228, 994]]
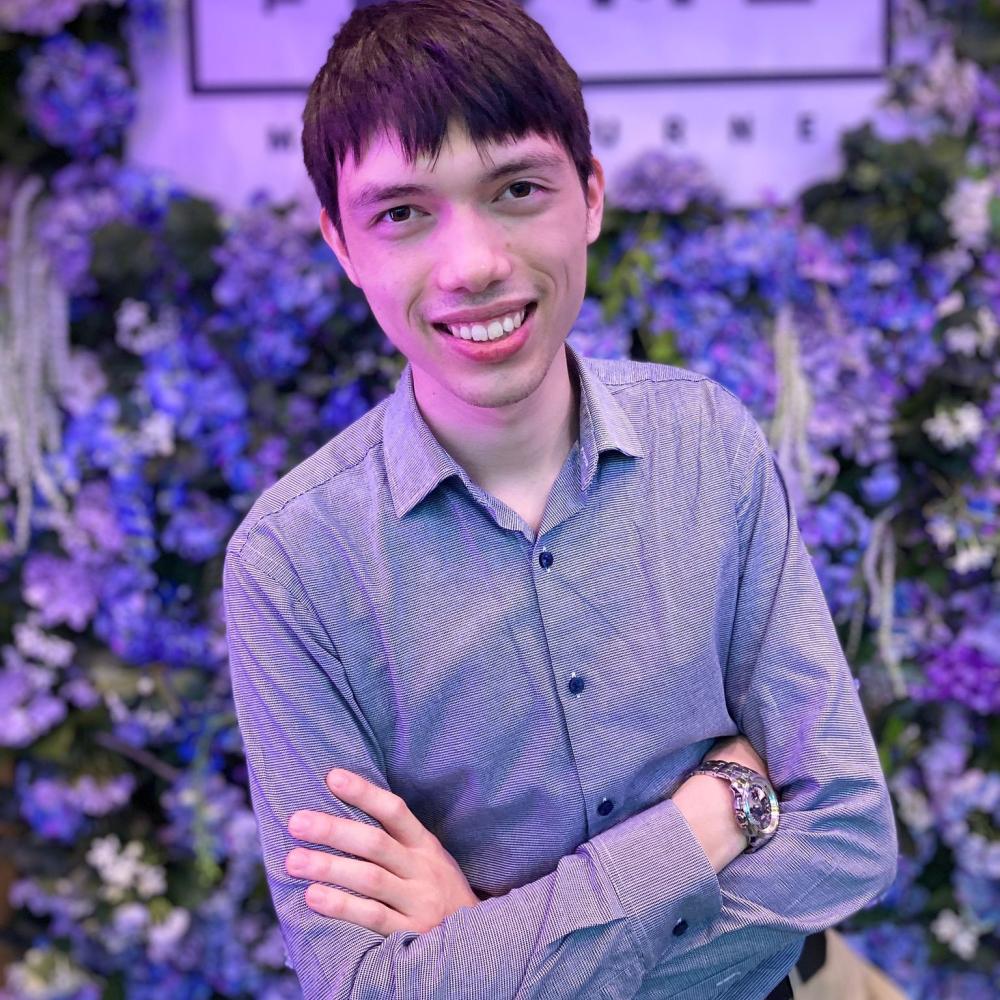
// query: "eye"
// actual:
[[389, 214], [521, 185]]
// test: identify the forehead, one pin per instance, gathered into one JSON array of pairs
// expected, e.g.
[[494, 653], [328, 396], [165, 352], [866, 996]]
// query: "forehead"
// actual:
[[385, 161]]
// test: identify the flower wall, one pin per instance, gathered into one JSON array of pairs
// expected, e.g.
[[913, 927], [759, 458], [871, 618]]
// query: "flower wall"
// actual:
[[162, 362]]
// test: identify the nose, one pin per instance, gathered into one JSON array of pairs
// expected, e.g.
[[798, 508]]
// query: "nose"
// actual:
[[472, 253]]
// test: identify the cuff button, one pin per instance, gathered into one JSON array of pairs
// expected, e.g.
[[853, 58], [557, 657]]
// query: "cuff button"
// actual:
[[680, 927]]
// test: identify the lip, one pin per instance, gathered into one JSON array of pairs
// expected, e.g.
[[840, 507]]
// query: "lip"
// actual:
[[492, 351], [498, 309]]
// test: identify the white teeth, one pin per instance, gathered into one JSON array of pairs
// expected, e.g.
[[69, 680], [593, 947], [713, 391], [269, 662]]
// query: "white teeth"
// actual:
[[494, 330]]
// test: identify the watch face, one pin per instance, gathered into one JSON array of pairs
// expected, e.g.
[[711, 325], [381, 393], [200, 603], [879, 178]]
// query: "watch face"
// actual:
[[760, 804]]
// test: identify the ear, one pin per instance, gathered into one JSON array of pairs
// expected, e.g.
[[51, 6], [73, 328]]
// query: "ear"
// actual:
[[595, 200], [337, 245]]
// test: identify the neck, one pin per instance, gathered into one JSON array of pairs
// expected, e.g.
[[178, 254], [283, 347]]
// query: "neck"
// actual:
[[513, 445]]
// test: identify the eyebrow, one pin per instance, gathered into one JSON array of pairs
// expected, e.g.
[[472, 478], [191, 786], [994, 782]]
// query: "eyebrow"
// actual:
[[372, 194]]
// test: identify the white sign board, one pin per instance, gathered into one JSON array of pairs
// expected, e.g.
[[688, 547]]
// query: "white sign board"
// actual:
[[759, 90]]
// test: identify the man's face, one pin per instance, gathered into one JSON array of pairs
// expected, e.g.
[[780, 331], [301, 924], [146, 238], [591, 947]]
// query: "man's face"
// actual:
[[464, 243]]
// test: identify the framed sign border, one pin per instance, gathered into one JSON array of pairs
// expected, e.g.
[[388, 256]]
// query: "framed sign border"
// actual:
[[197, 86]]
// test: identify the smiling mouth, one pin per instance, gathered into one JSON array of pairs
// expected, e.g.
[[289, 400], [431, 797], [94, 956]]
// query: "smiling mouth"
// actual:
[[528, 311]]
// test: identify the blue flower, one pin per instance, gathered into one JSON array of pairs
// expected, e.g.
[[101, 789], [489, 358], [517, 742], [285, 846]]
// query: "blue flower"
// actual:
[[77, 96]]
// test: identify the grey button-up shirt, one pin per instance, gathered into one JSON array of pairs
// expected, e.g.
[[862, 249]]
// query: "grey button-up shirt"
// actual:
[[536, 699]]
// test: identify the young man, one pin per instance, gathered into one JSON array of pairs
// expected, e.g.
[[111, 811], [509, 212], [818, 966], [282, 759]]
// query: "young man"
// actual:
[[515, 604]]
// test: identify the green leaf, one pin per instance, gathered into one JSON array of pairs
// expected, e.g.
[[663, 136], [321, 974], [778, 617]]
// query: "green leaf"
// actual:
[[995, 218], [56, 745], [192, 231]]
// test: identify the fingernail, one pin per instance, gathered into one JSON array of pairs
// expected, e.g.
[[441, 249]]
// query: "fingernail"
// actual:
[[336, 781], [298, 825]]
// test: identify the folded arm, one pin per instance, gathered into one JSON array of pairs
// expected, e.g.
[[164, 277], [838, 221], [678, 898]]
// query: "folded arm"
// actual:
[[591, 927], [791, 693]]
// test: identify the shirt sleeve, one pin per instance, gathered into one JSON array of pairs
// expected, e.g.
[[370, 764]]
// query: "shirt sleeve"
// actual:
[[591, 928], [790, 691]]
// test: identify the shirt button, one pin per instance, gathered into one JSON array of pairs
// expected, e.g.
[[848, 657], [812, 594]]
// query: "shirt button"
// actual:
[[545, 559], [606, 806], [680, 927], [577, 684]]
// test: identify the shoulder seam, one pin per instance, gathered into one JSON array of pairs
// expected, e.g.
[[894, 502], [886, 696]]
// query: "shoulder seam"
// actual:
[[255, 564], [669, 377], [302, 493]]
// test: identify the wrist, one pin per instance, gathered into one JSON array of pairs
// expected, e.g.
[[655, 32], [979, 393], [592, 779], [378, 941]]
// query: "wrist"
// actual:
[[707, 806]]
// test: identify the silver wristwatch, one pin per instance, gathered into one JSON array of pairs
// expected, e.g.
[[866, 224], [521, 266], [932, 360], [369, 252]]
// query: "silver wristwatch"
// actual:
[[754, 799]]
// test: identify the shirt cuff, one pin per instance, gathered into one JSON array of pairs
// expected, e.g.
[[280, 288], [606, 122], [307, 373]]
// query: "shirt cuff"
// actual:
[[664, 880]]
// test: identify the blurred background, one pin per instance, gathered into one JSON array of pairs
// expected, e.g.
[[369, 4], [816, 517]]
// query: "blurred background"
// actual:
[[804, 204]]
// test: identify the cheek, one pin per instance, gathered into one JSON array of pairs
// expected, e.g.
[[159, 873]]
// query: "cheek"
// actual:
[[389, 300]]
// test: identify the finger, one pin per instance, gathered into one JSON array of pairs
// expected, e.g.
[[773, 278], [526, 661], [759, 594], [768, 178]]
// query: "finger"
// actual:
[[381, 804], [370, 880], [364, 912], [350, 836]]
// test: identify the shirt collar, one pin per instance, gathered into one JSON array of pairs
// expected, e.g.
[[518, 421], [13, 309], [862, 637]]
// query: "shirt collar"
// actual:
[[416, 462]]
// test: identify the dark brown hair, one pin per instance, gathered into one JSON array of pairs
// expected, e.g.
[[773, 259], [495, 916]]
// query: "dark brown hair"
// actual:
[[409, 66]]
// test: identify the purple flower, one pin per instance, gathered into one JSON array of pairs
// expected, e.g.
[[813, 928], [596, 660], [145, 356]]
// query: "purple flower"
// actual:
[[900, 950], [975, 791], [57, 809], [62, 590], [595, 337], [966, 671], [27, 707], [655, 180], [77, 96], [38, 17], [85, 384], [987, 117], [881, 484], [198, 529], [272, 292], [343, 406]]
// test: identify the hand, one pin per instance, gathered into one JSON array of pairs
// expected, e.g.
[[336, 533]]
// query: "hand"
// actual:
[[706, 803], [739, 749], [412, 881]]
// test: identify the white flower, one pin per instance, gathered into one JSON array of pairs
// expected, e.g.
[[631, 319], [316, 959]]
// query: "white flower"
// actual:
[[942, 531], [969, 338], [156, 434], [989, 329], [951, 303], [968, 211], [962, 339], [955, 262], [131, 316], [960, 933], [44, 974], [972, 557], [164, 935], [40, 645], [103, 851], [913, 806], [136, 331], [955, 428], [122, 869], [949, 86], [150, 880]]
